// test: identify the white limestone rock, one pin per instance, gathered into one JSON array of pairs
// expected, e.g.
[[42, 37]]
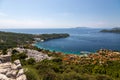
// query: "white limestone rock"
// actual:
[[20, 72], [19, 66], [22, 77], [13, 67], [17, 62], [3, 77], [5, 65], [11, 74], [3, 71]]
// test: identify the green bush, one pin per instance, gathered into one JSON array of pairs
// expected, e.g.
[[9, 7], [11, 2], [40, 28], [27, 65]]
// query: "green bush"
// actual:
[[30, 61], [14, 51], [20, 56], [4, 51]]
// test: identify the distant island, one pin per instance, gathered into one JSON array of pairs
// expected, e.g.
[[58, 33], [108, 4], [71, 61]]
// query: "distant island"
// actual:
[[82, 27], [113, 30]]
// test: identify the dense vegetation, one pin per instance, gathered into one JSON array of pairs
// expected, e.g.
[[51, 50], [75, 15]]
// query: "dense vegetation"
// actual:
[[113, 30], [53, 36], [58, 69], [9, 39]]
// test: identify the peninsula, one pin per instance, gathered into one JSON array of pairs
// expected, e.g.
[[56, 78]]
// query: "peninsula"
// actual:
[[10, 40]]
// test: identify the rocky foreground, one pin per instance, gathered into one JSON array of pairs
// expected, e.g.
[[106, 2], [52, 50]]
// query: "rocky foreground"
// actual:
[[11, 71], [38, 56]]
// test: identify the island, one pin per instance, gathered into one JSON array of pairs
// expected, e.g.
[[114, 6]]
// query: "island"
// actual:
[[113, 30]]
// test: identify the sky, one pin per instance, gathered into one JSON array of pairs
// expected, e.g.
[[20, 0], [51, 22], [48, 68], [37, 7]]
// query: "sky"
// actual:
[[59, 13]]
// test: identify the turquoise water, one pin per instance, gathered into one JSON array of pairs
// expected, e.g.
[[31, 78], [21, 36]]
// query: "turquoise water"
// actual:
[[81, 39]]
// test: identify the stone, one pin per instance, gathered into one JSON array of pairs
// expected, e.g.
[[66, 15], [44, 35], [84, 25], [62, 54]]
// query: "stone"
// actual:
[[20, 72], [0, 61], [11, 71], [3, 71], [14, 72], [11, 74], [17, 62], [19, 66], [5, 65], [3, 77], [22, 77], [14, 67]]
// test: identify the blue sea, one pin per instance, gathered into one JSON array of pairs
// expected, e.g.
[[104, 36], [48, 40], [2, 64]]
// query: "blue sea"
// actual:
[[80, 40]]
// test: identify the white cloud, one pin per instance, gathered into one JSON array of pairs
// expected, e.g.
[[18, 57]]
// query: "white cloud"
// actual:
[[50, 23], [19, 23], [10, 23]]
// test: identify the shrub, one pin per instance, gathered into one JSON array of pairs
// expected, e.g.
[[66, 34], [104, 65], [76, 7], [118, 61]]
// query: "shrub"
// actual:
[[30, 61], [20, 56], [14, 51], [4, 51]]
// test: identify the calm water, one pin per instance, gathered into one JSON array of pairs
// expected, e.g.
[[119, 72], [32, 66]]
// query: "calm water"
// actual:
[[80, 40]]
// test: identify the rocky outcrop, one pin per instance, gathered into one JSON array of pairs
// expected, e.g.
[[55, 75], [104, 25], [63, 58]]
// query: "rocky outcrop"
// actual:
[[11, 71], [4, 58], [38, 56]]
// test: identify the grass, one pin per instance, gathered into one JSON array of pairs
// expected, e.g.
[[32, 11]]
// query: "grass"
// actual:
[[31, 73]]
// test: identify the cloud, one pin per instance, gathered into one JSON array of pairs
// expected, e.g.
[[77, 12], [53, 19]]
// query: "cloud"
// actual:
[[30, 23], [9, 23], [51, 23]]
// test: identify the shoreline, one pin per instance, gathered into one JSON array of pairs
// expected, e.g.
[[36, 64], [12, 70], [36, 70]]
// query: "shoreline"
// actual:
[[83, 52], [64, 52]]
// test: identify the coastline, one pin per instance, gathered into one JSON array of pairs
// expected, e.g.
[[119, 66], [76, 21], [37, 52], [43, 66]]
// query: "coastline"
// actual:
[[64, 52], [54, 61]]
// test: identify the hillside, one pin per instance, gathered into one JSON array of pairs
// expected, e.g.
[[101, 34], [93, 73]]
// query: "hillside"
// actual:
[[104, 65], [9, 39]]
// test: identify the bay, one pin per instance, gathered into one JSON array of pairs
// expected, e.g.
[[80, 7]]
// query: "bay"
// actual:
[[81, 39]]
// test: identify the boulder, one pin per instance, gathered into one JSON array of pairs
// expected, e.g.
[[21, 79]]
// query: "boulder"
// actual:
[[20, 72], [11, 74], [3, 71], [19, 66], [13, 67], [17, 62], [5, 65], [22, 77], [3, 77]]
